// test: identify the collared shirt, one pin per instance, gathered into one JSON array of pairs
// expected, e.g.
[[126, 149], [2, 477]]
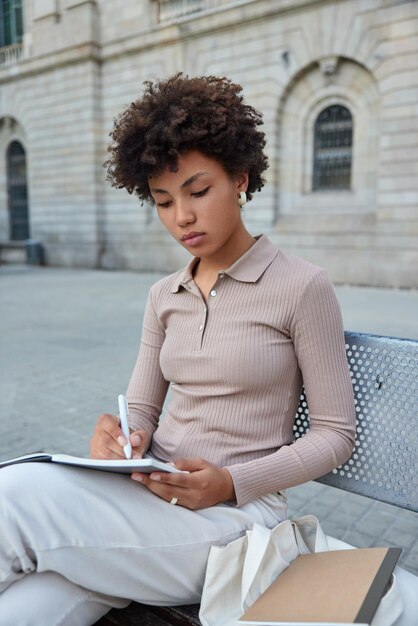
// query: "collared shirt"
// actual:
[[235, 364], [247, 269]]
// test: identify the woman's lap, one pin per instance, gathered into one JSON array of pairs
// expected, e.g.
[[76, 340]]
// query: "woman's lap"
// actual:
[[107, 533]]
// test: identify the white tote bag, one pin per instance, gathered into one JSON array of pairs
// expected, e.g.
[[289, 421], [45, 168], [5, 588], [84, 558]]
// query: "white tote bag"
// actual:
[[238, 573]]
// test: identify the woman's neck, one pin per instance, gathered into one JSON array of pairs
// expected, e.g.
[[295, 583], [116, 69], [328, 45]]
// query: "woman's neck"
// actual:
[[210, 266]]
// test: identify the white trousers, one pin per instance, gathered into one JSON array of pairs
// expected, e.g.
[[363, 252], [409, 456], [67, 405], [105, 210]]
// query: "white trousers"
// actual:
[[74, 543]]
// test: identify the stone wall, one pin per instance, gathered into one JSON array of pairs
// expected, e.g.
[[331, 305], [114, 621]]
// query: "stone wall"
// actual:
[[84, 61]]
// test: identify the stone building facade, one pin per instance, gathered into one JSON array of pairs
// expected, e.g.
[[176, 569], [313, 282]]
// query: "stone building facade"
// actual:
[[336, 80]]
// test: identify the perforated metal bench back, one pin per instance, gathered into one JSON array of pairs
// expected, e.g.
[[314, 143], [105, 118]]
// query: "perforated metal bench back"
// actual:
[[384, 464]]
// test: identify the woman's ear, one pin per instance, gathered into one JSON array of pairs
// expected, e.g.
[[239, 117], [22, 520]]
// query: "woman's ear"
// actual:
[[242, 182]]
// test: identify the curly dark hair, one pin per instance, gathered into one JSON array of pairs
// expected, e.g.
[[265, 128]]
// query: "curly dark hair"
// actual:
[[179, 114]]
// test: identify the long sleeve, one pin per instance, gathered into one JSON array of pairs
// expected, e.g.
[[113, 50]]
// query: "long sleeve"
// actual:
[[318, 338], [147, 387]]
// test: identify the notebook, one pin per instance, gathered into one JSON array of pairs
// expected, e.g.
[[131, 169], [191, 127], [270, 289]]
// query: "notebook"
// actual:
[[335, 588], [146, 465]]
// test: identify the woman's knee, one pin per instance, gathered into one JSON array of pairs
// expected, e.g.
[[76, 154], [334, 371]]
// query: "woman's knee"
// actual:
[[29, 486], [23, 476]]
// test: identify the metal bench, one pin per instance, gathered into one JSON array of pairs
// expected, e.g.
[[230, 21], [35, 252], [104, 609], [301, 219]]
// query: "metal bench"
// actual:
[[383, 466]]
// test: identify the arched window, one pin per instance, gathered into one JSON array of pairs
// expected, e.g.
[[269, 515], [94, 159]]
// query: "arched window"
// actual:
[[17, 191], [333, 141]]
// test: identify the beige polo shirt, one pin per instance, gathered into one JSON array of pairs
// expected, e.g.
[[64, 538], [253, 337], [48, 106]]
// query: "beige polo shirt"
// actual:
[[235, 365]]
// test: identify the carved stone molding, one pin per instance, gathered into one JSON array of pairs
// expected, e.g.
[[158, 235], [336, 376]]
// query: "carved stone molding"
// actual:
[[7, 123], [329, 65]]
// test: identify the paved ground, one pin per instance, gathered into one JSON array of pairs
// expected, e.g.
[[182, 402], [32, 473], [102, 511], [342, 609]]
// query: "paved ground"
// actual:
[[68, 344]]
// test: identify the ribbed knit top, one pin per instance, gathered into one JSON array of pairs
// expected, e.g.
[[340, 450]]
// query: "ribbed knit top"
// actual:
[[235, 365]]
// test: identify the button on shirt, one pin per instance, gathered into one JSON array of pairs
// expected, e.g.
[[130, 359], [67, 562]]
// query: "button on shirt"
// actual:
[[236, 364]]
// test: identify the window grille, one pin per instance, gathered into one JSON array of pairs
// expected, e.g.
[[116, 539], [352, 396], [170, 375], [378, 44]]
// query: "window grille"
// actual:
[[333, 142], [11, 54], [169, 10], [11, 22]]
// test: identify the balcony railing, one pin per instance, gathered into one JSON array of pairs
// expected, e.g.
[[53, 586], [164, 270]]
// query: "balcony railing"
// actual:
[[10, 54], [172, 10]]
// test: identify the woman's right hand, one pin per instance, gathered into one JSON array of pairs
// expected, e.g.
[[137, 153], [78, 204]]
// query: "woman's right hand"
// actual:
[[108, 440]]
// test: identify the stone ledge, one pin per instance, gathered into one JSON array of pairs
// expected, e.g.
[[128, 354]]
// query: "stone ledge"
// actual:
[[12, 252], [27, 251]]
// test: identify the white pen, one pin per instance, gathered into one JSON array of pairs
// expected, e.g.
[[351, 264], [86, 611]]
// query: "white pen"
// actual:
[[123, 414]]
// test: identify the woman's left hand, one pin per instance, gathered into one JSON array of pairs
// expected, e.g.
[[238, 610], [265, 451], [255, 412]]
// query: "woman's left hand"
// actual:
[[204, 486]]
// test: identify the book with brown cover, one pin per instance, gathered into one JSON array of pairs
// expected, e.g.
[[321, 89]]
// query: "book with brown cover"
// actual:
[[335, 588]]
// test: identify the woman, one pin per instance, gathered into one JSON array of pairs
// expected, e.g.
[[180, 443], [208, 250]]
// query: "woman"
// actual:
[[233, 334]]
